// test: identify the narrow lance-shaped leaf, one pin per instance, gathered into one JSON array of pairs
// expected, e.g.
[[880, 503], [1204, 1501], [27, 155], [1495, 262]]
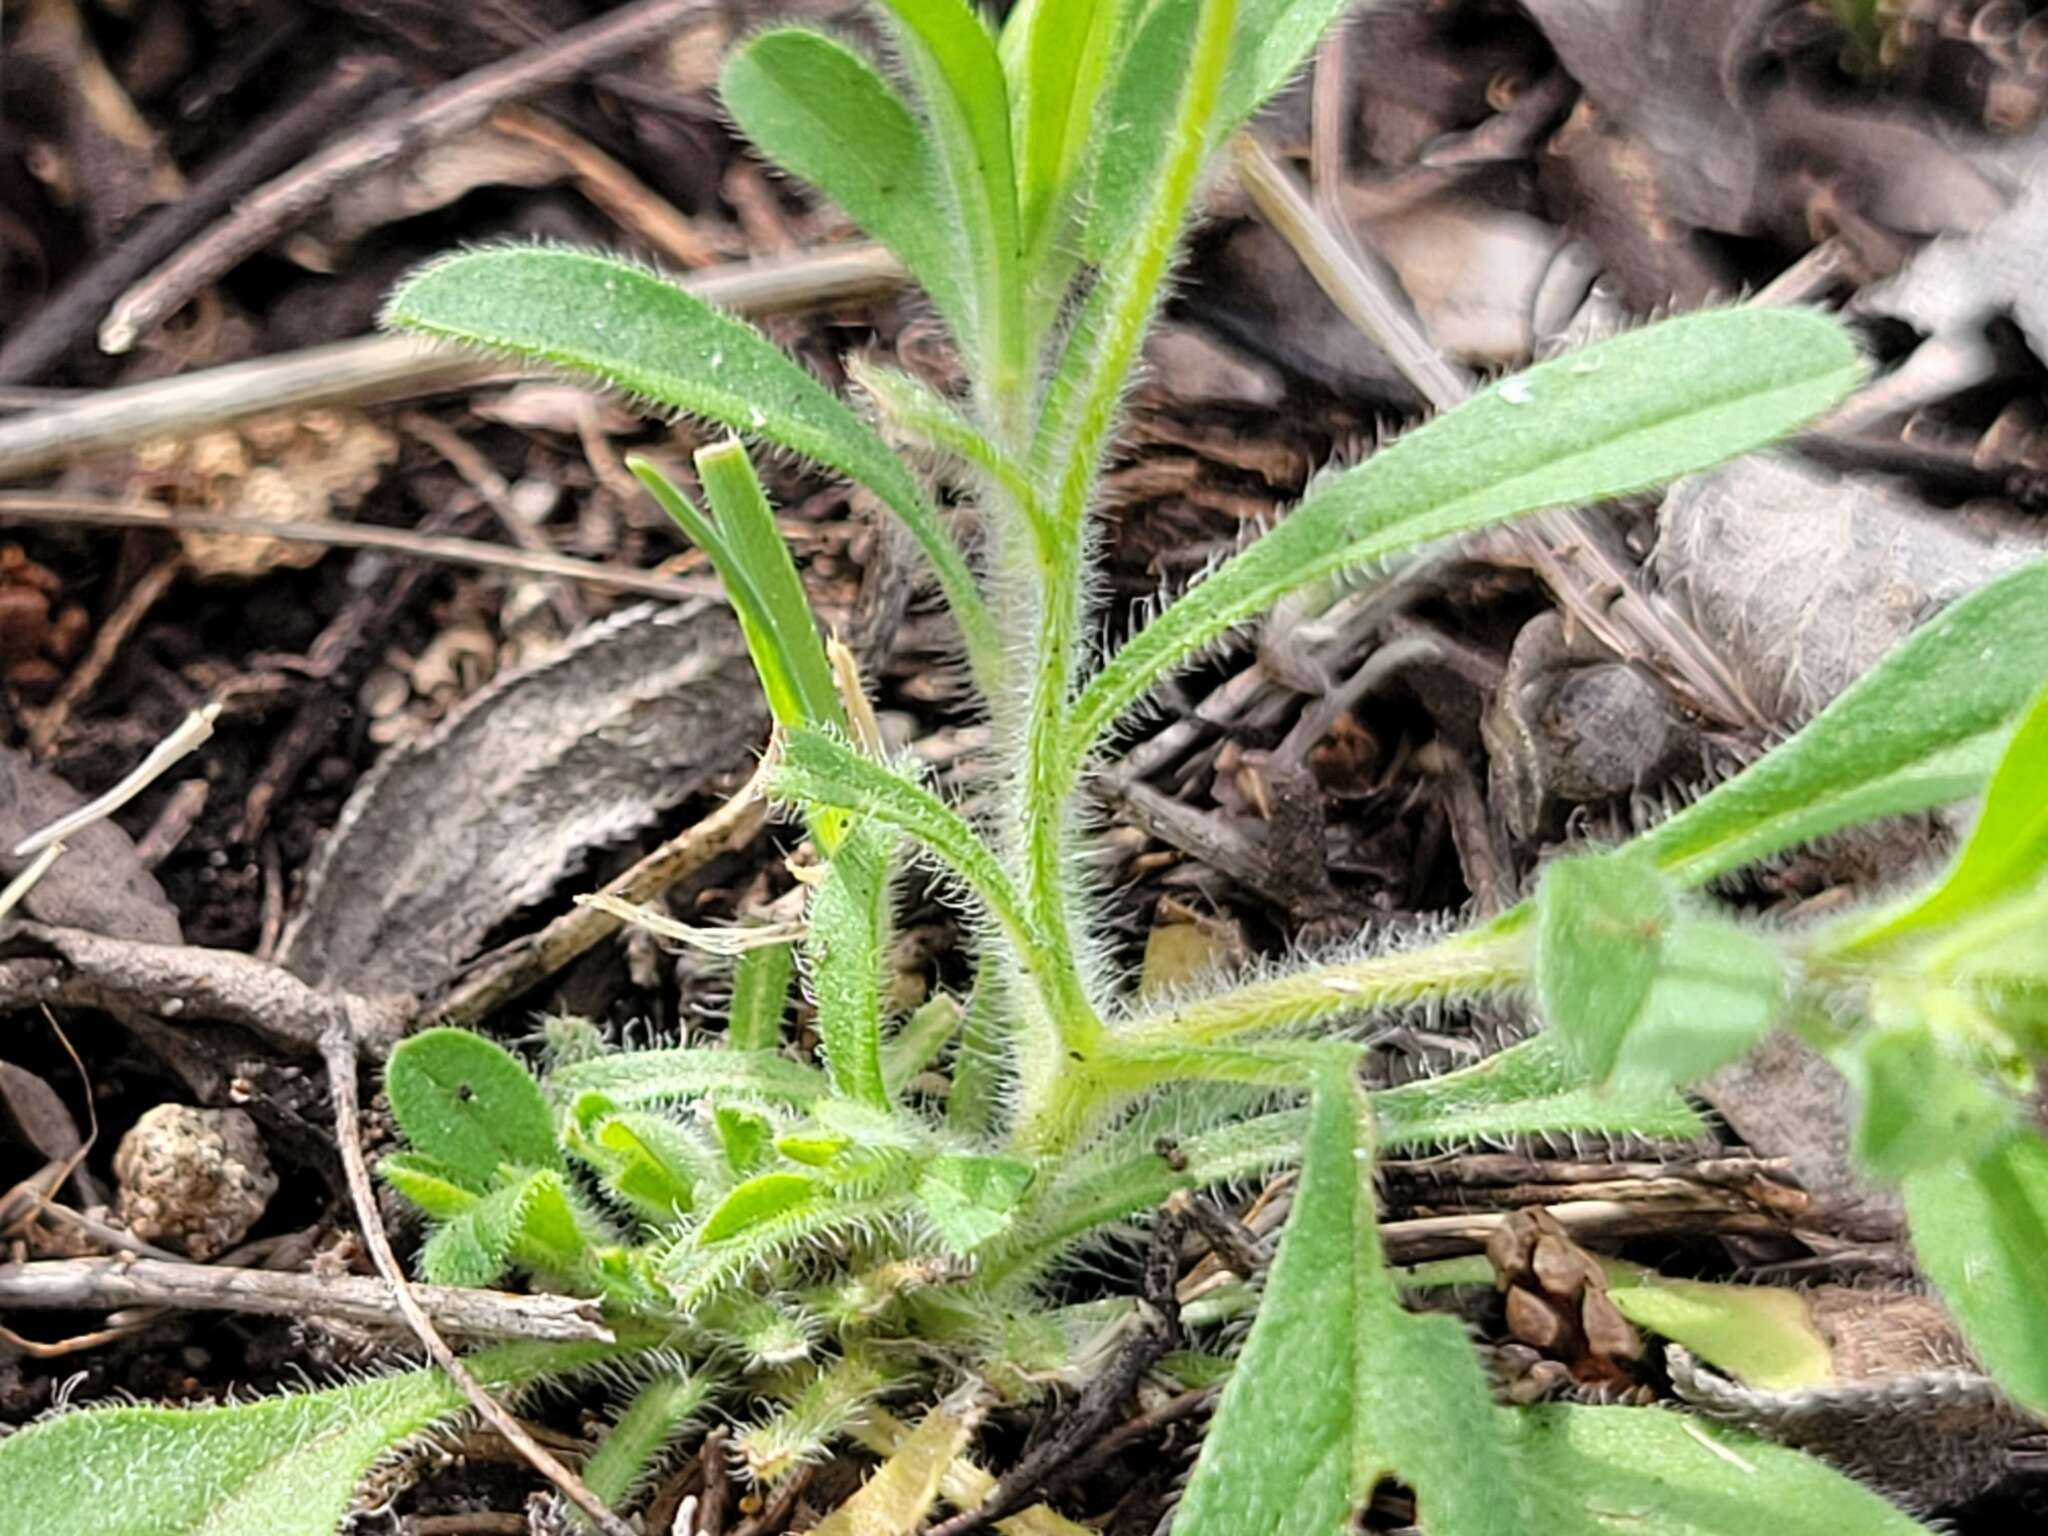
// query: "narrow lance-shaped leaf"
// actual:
[[1055, 54], [1532, 1088], [626, 1456], [621, 324], [1339, 1387], [779, 683], [822, 112], [849, 926], [1278, 36], [287, 1466], [818, 771], [1177, 107], [1134, 135], [2007, 852], [1924, 727], [926, 418], [952, 59], [1636, 410], [760, 996], [1323, 1402], [756, 544], [1980, 1230]]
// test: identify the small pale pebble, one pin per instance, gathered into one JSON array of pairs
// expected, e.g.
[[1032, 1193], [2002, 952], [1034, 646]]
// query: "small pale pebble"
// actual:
[[194, 1180]]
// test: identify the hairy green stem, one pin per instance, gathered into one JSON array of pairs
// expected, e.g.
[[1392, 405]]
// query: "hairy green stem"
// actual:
[[1469, 965], [1062, 546]]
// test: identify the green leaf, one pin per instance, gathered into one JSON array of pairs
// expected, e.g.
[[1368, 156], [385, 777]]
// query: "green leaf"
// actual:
[[757, 546], [744, 1136], [1639, 990], [952, 60], [818, 771], [529, 1222], [1600, 923], [1980, 1231], [635, 1078], [1276, 37], [917, 1044], [435, 1188], [470, 1105], [287, 1466], [1718, 990], [760, 996], [1055, 55], [1115, 1183], [1634, 411], [2007, 852], [1923, 1100], [972, 1199], [822, 112], [1338, 1386], [1128, 151], [1762, 1336], [1531, 1088], [607, 318], [1634, 1471], [760, 581], [644, 1158], [813, 1151], [978, 1066], [760, 1199], [929, 420], [1132, 251], [1922, 728], [848, 937], [475, 1248], [659, 1411]]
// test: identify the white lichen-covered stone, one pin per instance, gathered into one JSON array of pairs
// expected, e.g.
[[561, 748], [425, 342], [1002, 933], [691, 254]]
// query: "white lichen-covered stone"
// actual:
[[195, 1180]]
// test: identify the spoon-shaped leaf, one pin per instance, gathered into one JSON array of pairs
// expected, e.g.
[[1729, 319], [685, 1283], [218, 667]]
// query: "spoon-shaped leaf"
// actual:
[[600, 316], [820, 111]]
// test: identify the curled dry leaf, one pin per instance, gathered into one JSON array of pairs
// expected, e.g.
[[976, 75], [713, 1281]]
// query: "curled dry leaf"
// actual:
[[451, 835], [33, 1112]]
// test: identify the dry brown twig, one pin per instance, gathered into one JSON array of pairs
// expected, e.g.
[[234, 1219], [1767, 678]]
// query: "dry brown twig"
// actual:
[[68, 316], [110, 1283], [338, 1050], [92, 511], [461, 104], [373, 369]]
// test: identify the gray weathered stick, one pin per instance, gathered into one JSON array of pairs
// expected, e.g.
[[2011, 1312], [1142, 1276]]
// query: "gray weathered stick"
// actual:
[[371, 369], [286, 202], [105, 1284]]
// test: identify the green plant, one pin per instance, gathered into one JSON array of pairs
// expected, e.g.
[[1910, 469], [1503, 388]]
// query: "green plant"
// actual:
[[813, 1235]]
